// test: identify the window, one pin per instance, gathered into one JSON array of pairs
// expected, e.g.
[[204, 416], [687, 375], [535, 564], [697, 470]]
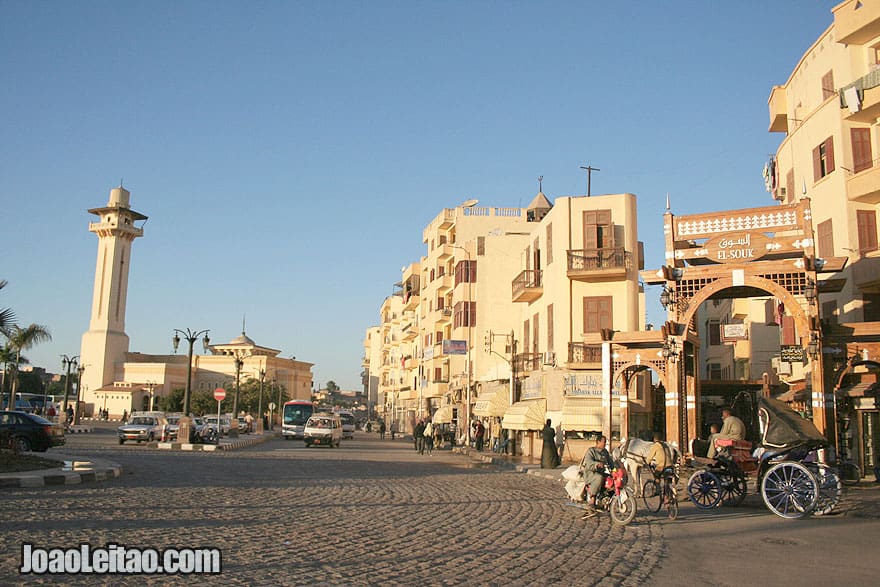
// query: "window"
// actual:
[[715, 371], [861, 148], [829, 312], [525, 345], [788, 330], [481, 245], [825, 237], [438, 374], [535, 332], [466, 272], [464, 315], [597, 313], [549, 243], [871, 307], [823, 159], [550, 327], [867, 225], [789, 185], [714, 328], [598, 229], [828, 85]]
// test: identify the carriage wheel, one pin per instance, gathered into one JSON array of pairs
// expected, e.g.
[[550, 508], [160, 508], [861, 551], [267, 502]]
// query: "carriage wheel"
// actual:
[[790, 490], [830, 490], [652, 495], [704, 489], [733, 490]]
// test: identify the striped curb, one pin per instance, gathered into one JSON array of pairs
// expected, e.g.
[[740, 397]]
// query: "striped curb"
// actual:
[[51, 477], [223, 446]]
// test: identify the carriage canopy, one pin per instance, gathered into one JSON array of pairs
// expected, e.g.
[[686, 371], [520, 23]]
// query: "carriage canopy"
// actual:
[[782, 427]]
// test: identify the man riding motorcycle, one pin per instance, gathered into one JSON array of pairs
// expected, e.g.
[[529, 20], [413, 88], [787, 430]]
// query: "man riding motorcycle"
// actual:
[[596, 465]]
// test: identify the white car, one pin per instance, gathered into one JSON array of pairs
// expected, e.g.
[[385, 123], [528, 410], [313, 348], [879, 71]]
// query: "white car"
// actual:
[[142, 427], [323, 429], [224, 424]]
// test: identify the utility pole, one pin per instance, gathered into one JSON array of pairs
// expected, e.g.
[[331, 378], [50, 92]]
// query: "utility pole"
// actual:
[[589, 169]]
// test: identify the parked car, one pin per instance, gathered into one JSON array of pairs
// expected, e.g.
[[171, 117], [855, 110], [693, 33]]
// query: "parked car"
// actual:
[[224, 424], [242, 425], [142, 427], [170, 431], [325, 429], [29, 432]]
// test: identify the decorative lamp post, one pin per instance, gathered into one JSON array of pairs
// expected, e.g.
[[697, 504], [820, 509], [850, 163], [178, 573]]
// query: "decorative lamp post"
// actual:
[[233, 426], [260, 404], [66, 363], [185, 424], [150, 385], [76, 410]]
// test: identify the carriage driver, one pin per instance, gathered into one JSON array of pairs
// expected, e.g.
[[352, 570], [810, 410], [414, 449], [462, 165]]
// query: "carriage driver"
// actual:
[[596, 465]]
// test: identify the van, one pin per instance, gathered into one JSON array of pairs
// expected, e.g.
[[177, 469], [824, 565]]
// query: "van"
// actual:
[[323, 429], [347, 418]]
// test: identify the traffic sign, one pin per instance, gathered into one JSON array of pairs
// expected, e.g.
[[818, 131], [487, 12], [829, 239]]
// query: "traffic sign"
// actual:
[[272, 405], [219, 394]]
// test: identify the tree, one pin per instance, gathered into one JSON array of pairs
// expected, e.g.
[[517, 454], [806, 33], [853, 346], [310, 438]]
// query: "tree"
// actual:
[[20, 339], [332, 387], [7, 316], [173, 402]]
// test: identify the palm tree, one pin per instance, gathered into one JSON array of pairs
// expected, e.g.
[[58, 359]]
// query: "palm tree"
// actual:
[[20, 339], [7, 316]]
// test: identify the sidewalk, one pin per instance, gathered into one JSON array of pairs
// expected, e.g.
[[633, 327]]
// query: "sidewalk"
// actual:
[[858, 501], [76, 470]]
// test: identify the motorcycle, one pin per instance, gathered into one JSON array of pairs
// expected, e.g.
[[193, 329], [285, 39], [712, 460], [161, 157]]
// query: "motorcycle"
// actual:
[[614, 497], [207, 435]]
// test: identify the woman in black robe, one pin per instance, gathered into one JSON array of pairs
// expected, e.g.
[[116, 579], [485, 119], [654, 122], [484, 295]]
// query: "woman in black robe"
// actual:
[[549, 454]]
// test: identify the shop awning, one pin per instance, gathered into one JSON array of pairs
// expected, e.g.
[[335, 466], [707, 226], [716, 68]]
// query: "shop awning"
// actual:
[[491, 405], [869, 388], [527, 415], [579, 414], [797, 392], [443, 415]]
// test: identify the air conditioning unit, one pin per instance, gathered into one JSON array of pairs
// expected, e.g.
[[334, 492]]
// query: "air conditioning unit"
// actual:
[[549, 358], [781, 367], [447, 311]]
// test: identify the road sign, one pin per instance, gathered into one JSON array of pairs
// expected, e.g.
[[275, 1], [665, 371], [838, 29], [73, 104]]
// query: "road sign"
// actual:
[[272, 405], [219, 394]]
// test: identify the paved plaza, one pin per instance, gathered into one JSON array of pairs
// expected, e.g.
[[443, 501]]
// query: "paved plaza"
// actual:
[[370, 513]]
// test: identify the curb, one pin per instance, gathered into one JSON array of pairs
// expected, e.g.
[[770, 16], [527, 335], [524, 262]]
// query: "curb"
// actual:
[[78, 430], [223, 446], [98, 471]]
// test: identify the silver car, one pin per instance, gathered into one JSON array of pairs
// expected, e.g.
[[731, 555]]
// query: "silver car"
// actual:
[[142, 428]]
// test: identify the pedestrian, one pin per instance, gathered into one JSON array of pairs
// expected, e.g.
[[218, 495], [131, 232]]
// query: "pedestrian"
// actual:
[[69, 413], [369, 427], [478, 435], [495, 434], [419, 438], [393, 428], [428, 436], [382, 430], [124, 416], [549, 453], [249, 420]]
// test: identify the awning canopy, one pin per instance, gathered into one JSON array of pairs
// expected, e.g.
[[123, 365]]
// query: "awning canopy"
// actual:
[[443, 415], [869, 388], [580, 414], [527, 415], [491, 405]]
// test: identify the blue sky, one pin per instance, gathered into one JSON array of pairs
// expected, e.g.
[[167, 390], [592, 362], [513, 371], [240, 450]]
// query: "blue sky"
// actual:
[[289, 154]]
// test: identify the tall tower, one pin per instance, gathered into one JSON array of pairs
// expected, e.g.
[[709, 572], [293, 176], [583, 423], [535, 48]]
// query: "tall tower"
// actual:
[[105, 343]]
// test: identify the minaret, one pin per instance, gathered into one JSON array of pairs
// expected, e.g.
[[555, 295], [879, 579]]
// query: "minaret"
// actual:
[[105, 343]]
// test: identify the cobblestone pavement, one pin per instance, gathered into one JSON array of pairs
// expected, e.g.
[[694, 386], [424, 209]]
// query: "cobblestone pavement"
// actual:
[[369, 513]]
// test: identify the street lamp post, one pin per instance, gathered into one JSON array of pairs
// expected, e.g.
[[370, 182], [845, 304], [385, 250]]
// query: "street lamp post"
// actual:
[[79, 374], [280, 405], [233, 428], [260, 404], [184, 424], [150, 385], [66, 363]]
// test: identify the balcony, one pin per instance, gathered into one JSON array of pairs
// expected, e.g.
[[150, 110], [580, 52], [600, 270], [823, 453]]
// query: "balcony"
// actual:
[[584, 356], [778, 105], [444, 251], [856, 22], [867, 90], [527, 362], [410, 301], [444, 283], [436, 389], [866, 272], [864, 186], [598, 264], [528, 286]]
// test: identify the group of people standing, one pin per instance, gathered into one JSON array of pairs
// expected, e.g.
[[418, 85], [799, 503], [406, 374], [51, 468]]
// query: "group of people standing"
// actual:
[[423, 436]]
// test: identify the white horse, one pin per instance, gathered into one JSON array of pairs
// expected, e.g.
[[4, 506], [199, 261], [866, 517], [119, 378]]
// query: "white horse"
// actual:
[[633, 453]]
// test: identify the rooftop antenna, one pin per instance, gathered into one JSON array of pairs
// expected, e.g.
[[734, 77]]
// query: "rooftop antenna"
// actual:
[[589, 169], [667, 201], [242, 324], [541, 183]]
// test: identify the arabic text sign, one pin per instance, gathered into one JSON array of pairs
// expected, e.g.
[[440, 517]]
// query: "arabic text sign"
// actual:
[[737, 247]]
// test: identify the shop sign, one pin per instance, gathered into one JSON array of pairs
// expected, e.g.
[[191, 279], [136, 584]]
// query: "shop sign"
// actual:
[[731, 332], [737, 247], [532, 387], [454, 347], [791, 353]]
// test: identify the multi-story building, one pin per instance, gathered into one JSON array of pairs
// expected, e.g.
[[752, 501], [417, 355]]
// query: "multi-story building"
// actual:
[[828, 110]]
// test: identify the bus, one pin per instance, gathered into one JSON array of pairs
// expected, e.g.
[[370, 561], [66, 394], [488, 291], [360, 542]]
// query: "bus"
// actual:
[[347, 417], [294, 417]]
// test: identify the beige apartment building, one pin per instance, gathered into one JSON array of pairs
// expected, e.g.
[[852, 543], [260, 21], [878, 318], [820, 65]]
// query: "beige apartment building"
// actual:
[[828, 110], [502, 320], [117, 380]]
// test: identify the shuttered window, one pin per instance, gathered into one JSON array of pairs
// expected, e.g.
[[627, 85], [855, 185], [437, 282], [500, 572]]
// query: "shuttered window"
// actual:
[[787, 331], [823, 159], [550, 327], [535, 334], [861, 148], [789, 185], [867, 224], [525, 336], [549, 244], [825, 236], [828, 85], [597, 313], [598, 229]]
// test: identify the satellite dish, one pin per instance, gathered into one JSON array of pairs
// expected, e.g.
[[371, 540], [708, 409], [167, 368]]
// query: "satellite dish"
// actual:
[[470, 203]]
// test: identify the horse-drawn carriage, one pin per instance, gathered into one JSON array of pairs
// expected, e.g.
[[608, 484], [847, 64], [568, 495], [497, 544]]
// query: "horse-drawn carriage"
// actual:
[[785, 456]]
